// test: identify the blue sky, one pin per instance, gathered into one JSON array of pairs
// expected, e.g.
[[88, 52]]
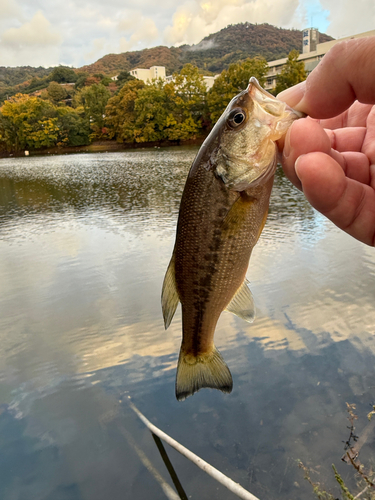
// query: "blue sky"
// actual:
[[45, 33]]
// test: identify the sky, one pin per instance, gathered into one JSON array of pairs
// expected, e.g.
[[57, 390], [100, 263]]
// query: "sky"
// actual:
[[75, 33]]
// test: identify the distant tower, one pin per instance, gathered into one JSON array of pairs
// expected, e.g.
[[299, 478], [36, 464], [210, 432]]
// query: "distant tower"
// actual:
[[310, 39]]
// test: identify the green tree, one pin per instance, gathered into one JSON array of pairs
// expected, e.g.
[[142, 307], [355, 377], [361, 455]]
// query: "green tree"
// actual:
[[106, 80], [81, 80], [56, 93], [94, 100], [27, 123], [152, 109], [232, 81], [123, 77], [187, 93], [63, 74], [74, 129], [120, 112], [292, 73]]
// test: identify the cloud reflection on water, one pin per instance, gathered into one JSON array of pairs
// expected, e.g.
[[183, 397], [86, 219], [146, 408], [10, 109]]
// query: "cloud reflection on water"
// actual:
[[84, 243]]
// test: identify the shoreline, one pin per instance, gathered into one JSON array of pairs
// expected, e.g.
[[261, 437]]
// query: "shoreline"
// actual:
[[106, 146]]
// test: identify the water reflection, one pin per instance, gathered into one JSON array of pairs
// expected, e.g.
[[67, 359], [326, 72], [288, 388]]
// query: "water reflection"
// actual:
[[84, 244]]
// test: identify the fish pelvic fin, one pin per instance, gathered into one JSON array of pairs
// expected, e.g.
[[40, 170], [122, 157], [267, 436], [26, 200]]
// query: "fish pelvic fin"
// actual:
[[205, 370], [242, 304], [169, 294]]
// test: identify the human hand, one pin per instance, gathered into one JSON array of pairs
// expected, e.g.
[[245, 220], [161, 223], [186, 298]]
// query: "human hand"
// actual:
[[331, 154]]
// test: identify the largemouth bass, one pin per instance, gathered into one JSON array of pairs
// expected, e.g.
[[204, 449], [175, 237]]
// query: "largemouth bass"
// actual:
[[223, 210]]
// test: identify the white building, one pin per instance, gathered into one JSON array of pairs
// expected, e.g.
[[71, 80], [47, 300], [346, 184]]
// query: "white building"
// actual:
[[147, 75], [209, 81], [312, 53]]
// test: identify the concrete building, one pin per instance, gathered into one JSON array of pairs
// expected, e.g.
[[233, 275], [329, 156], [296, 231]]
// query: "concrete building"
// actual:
[[209, 81], [312, 53], [147, 75]]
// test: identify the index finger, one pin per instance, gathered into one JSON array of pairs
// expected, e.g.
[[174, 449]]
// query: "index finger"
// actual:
[[345, 74]]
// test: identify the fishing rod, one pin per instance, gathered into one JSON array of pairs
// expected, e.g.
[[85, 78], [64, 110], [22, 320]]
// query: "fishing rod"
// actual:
[[231, 485]]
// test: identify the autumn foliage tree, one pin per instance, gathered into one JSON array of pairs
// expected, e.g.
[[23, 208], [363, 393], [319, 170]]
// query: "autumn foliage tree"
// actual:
[[56, 93], [120, 112], [31, 123], [158, 111], [27, 123], [292, 73], [94, 100], [232, 81], [187, 93]]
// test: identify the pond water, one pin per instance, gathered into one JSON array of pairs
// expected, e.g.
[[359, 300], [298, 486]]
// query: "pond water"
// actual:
[[84, 244]]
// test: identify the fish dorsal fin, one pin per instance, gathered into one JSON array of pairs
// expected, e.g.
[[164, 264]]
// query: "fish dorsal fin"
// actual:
[[169, 295], [242, 304]]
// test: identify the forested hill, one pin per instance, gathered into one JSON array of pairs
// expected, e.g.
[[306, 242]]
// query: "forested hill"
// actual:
[[213, 54]]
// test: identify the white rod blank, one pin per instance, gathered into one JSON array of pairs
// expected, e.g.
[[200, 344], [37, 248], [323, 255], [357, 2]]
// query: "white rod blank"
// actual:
[[234, 487]]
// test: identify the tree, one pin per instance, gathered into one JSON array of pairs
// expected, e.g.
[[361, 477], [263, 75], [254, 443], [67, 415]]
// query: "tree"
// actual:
[[123, 77], [27, 123], [120, 112], [81, 80], [232, 81], [187, 93], [94, 100], [56, 92], [63, 74], [292, 73], [152, 109], [74, 129]]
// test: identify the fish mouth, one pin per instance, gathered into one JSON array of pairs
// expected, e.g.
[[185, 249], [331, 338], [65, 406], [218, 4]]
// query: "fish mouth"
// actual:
[[260, 95]]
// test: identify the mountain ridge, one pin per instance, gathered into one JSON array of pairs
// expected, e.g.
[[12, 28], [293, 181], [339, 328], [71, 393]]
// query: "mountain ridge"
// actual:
[[213, 53]]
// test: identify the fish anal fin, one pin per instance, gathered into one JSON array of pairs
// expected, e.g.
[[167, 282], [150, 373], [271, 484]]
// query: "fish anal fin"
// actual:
[[205, 370], [169, 295], [242, 304]]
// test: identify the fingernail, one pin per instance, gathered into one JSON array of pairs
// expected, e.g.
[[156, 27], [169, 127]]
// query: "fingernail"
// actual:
[[296, 166], [287, 147], [293, 95]]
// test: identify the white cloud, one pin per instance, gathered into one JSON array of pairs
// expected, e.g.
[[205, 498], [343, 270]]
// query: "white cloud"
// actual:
[[97, 50], [36, 40], [35, 32], [9, 9], [145, 32], [349, 18], [42, 32], [195, 19]]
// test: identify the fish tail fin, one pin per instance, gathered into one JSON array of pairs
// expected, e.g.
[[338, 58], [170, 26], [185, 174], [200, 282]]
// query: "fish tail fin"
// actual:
[[197, 372]]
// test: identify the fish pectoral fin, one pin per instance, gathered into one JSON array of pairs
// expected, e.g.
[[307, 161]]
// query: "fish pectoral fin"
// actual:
[[242, 304], [237, 212], [204, 370], [169, 295]]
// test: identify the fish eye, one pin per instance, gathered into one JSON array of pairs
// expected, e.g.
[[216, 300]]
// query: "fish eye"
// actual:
[[236, 118]]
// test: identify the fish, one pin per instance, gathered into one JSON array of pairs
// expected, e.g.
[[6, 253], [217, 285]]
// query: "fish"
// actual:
[[222, 213]]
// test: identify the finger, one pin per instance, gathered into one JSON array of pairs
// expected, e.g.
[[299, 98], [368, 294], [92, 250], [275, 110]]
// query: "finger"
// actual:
[[347, 139], [369, 142], [304, 136], [347, 203], [345, 74], [307, 136], [355, 116], [356, 166]]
